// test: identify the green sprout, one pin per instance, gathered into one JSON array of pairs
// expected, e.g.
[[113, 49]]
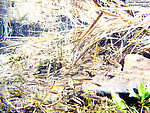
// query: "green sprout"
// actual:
[[118, 101], [143, 97]]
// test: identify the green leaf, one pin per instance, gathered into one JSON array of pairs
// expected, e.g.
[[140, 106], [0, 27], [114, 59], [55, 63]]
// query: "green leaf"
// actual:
[[142, 99], [11, 56], [88, 100], [115, 97], [147, 103], [146, 94], [117, 100], [141, 89]]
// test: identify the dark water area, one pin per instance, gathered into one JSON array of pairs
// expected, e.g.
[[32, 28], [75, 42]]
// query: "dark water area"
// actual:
[[21, 30], [9, 27]]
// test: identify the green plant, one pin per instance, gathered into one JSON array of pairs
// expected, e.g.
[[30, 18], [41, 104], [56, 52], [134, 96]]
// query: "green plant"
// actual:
[[143, 96], [118, 101], [88, 100]]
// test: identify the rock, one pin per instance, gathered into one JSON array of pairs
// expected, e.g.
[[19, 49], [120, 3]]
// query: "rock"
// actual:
[[136, 70], [136, 62]]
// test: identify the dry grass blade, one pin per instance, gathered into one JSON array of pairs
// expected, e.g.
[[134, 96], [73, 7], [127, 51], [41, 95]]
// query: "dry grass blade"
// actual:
[[99, 85], [135, 36], [87, 48], [22, 90], [95, 52], [38, 99], [53, 92], [10, 46], [53, 104], [96, 97], [42, 108], [91, 27], [59, 109], [96, 2], [49, 92], [78, 58], [83, 79]]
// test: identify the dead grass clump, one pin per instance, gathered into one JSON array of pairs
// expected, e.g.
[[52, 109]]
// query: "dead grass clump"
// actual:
[[46, 73]]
